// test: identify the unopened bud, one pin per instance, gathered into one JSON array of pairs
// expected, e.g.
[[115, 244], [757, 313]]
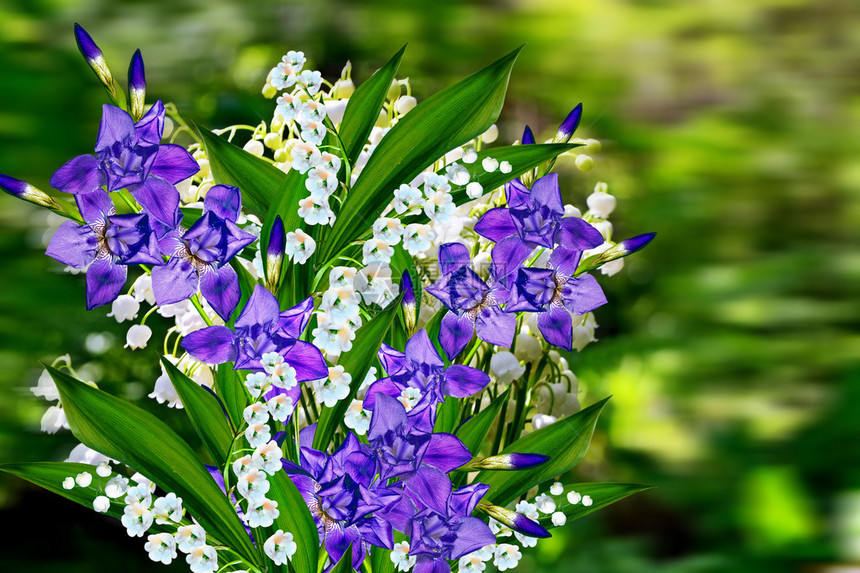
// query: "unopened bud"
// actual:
[[94, 57], [393, 91], [514, 461], [275, 254], [408, 303], [569, 125], [25, 191], [516, 521], [405, 104], [584, 162], [136, 86]]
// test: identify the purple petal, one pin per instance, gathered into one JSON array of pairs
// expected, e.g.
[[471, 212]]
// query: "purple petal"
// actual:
[[496, 327], [565, 261], [105, 280], [307, 360], [150, 127], [426, 563], [420, 350], [82, 174], [73, 245], [455, 332], [636, 243], [431, 488], [86, 45], [225, 201], [508, 255], [277, 239], [517, 194], [446, 452], [220, 287], [293, 321], [174, 164], [385, 386], [159, 199], [136, 73], [116, 127], [237, 239], [556, 326], [213, 344], [471, 536], [261, 309], [462, 381], [452, 257], [95, 207], [175, 281], [582, 294], [574, 233], [496, 224], [389, 415], [393, 361], [528, 136], [464, 500], [545, 193]]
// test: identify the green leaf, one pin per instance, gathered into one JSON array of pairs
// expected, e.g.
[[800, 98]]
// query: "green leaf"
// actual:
[[357, 363], [447, 414], [257, 179], [444, 121], [565, 441], [345, 563], [602, 494], [138, 439], [295, 517], [474, 431], [231, 389], [205, 413], [362, 111], [246, 286], [380, 560]]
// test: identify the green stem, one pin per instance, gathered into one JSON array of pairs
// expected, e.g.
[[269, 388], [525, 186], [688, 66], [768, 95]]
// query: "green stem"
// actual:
[[195, 300]]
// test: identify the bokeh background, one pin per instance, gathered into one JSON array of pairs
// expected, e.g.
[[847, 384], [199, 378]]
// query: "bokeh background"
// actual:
[[731, 345]]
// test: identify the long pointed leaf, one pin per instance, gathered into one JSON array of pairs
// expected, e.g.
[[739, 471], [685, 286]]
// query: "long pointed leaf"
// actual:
[[362, 111], [295, 517], [565, 441], [449, 118], [205, 413], [138, 439], [602, 494]]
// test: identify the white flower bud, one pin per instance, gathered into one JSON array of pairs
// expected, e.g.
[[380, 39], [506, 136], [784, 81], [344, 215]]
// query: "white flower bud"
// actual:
[[528, 348], [474, 190], [542, 420], [84, 479], [137, 337], [405, 104], [559, 519], [343, 89], [571, 211], [601, 204], [491, 134], [593, 146], [272, 140], [490, 164], [254, 147], [101, 504], [124, 308], [69, 483], [584, 162]]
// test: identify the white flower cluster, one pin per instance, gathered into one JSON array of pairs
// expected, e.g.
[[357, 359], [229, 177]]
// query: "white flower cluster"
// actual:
[[600, 206]]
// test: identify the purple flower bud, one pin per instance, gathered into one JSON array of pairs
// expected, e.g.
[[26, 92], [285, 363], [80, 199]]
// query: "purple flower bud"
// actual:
[[528, 136], [408, 302], [636, 243], [136, 86], [95, 59], [275, 253], [514, 461], [569, 125], [86, 45], [25, 191], [516, 521]]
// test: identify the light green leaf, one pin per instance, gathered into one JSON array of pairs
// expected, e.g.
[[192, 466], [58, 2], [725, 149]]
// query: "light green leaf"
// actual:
[[257, 179], [444, 121], [362, 111], [474, 431], [205, 412], [602, 494], [356, 362], [447, 414], [231, 390], [295, 517], [138, 439], [565, 441]]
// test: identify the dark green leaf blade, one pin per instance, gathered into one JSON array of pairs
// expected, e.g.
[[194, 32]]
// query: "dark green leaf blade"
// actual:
[[442, 122], [204, 411], [565, 441], [474, 431], [363, 108], [602, 494], [345, 563], [257, 179], [357, 362], [295, 517], [231, 390], [138, 439]]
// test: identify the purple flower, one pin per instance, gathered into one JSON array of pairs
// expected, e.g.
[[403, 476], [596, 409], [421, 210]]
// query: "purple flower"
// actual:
[[473, 306], [344, 499], [569, 125], [136, 85], [443, 528], [555, 294], [404, 447], [107, 242], [533, 219], [128, 155], [275, 253], [199, 256], [261, 328], [419, 374]]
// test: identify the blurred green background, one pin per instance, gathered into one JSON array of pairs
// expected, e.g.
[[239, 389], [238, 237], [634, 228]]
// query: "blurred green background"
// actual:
[[731, 345]]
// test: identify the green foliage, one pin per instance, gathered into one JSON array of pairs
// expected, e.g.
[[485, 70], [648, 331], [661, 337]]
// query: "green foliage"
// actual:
[[294, 517], [602, 494], [138, 439], [565, 441], [473, 433]]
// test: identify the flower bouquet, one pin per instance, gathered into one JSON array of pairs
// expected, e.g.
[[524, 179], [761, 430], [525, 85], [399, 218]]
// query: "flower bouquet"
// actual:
[[365, 299]]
